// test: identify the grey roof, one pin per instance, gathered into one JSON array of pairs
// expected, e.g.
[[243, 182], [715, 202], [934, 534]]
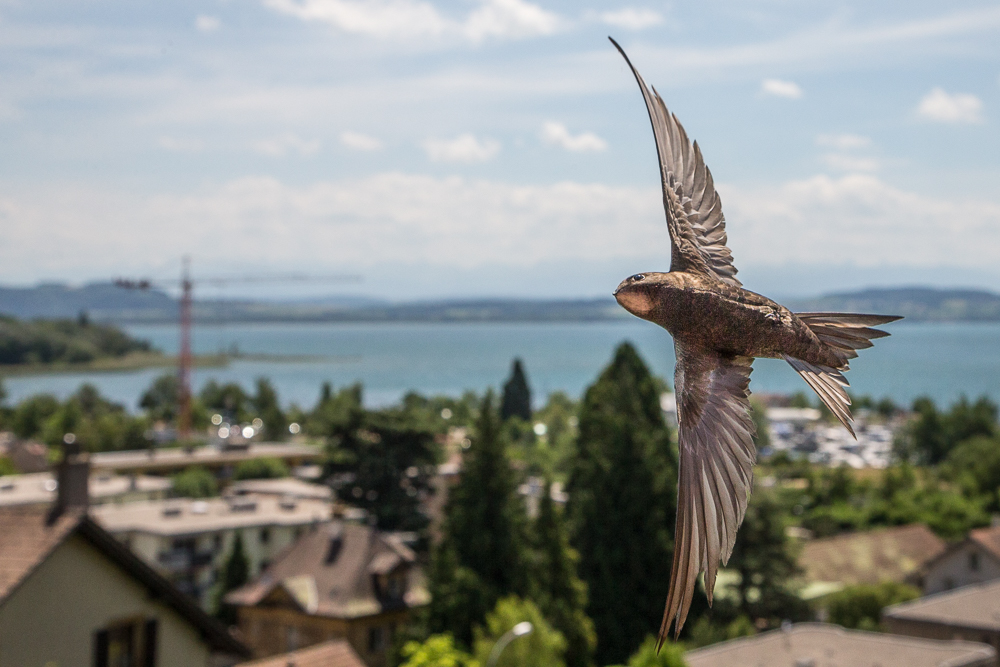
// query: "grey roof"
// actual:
[[284, 486], [872, 556], [976, 606], [40, 487], [176, 457], [186, 516], [328, 572], [825, 645]]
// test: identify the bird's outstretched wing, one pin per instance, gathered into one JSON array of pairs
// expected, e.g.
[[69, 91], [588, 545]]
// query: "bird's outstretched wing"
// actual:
[[715, 436], [694, 210]]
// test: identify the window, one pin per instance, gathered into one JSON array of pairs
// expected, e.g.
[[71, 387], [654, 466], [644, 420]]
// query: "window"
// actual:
[[376, 639], [126, 644], [974, 561]]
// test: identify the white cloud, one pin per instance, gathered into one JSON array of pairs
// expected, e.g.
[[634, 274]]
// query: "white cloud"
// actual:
[[509, 18], [779, 88], [842, 162], [943, 107], [359, 141], [387, 218], [556, 134], [397, 218], [417, 19], [859, 219], [286, 143], [463, 148], [843, 141], [631, 18], [207, 23], [179, 145]]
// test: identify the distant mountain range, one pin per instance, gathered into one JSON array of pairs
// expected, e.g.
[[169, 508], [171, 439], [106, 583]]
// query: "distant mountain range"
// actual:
[[106, 303], [913, 303]]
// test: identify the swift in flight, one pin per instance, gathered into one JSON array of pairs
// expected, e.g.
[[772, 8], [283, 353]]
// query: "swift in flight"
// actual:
[[718, 328]]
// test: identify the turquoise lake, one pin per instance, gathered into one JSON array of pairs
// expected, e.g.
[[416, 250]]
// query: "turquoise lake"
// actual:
[[939, 360]]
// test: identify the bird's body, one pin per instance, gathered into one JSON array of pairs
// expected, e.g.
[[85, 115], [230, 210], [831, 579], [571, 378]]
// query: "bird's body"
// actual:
[[700, 312], [718, 329]]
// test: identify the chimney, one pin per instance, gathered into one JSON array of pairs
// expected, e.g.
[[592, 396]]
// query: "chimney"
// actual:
[[72, 475]]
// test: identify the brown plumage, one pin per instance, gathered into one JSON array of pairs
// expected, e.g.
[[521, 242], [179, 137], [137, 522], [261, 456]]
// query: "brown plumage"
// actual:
[[718, 328]]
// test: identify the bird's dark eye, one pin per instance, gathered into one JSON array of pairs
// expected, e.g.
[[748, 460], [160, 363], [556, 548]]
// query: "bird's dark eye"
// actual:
[[637, 277]]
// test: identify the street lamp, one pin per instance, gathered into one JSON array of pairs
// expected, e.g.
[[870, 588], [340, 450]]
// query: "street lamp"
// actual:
[[519, 630]]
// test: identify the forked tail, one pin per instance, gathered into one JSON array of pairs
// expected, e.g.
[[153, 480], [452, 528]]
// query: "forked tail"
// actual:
[[844, 334]]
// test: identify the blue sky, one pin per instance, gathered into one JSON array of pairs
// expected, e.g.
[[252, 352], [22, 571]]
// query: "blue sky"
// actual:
[[495, 147]]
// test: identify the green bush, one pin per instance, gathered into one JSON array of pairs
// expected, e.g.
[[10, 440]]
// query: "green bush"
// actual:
[[261, 468], [544, 647], [195, 482], [861, 606], [437, 651]]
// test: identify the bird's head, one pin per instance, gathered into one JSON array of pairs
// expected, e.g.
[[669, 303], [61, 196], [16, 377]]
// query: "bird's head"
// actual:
[[641, 294]]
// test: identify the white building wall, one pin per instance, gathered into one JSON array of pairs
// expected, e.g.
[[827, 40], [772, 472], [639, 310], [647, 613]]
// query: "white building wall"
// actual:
[[965, 564]]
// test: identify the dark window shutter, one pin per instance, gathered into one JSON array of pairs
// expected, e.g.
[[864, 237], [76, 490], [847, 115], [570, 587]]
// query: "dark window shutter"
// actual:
[[101, 648], [149, 645]]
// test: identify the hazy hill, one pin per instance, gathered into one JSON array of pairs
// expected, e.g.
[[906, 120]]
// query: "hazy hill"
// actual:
[[913, 303], [107, 303]]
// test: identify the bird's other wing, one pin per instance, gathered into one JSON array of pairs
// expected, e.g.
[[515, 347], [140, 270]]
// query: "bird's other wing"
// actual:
[[694, 210], [715, 438]]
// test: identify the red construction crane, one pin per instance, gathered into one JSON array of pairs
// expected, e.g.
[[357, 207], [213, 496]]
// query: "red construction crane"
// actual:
[[185, 358]]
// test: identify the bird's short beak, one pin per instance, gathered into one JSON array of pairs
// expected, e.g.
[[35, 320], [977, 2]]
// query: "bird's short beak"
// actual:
[[633, 300]]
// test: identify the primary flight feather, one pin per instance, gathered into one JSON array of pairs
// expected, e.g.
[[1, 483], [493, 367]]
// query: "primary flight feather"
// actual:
[[718, 329]]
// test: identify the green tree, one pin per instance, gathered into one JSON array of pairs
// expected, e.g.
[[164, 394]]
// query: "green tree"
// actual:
[[671, 655], [765, 560], [557, 589], [235, 573], [265, 404], [7, 466], [30, 415], [482, 555], [543, 647], [229, 399], [516, 395], [762, 434], [195, 482], [976, 464], [265, 467], [860, 606], [622, 492], [436, 651], [160, 400]]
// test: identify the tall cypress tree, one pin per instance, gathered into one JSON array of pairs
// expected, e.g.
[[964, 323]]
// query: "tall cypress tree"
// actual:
[[559, 592], [516, 394], [622, 503], [482, 555]]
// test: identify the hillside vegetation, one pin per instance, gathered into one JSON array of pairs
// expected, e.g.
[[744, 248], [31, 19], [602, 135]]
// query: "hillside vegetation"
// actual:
[[62, 342]]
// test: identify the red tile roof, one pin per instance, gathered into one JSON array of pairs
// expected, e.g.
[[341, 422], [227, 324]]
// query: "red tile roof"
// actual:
[[27, 542], [335, 653]]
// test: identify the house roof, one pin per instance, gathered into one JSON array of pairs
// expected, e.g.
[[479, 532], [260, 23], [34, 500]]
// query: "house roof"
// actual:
[[821, 644], [890, 554], [976, 606], [40, 487], [988, 539], [173, 458], [329, 572], [284, 486], [29, 539], [186, 516], [335, 653]]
